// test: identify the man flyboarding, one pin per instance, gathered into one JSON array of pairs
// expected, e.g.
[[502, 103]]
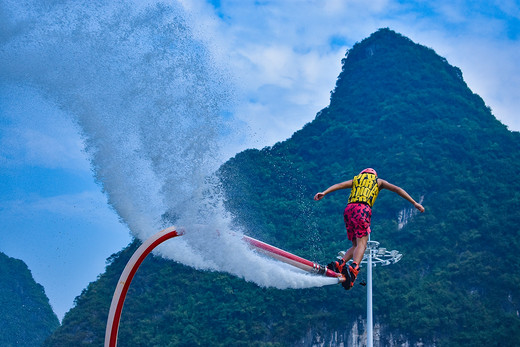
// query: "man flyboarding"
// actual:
[[357, 215]]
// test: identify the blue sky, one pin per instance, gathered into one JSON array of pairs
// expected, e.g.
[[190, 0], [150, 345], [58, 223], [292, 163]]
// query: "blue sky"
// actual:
[[282, 57]]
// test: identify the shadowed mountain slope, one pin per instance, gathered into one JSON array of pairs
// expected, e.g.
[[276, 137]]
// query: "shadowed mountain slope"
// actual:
[[27, 318]]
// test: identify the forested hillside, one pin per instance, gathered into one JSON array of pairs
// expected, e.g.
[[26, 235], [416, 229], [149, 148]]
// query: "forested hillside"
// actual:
[[402, 109], [26, 317], [397, 107]]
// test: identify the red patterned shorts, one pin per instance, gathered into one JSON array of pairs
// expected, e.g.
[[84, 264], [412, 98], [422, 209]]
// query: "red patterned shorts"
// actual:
[[357, 220]]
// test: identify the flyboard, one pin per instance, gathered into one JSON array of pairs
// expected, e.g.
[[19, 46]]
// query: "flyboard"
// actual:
[[291, 259], [147, 246]]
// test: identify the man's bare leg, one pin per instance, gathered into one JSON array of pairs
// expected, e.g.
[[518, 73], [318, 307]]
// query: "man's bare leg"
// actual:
[[350, 252], [359, 251], [356, 252]]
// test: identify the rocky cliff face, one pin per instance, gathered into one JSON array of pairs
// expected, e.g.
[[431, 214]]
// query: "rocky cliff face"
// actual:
[[355, 335]]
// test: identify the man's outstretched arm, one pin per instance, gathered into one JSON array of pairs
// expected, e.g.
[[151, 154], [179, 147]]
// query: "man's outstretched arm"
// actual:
[[333, 188], [401, 192]]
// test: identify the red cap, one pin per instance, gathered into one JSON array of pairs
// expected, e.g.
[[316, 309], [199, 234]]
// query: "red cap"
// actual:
[[369, 170]]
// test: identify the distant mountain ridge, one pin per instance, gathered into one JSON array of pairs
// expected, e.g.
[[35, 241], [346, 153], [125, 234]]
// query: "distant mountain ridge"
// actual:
[[27, 318], [400, 108]]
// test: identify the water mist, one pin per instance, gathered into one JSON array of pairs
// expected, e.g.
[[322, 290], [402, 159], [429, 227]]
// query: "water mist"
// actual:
[[153, 106]]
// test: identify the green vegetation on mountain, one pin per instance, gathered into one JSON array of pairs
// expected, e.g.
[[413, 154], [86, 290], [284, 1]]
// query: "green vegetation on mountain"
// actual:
[[397, 107], [27, 318]]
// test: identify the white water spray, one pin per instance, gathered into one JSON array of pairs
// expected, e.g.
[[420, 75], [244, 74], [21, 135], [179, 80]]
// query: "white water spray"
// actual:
[[150, 100]]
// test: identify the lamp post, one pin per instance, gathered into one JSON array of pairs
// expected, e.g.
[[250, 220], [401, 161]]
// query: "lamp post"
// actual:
[[374, 255]]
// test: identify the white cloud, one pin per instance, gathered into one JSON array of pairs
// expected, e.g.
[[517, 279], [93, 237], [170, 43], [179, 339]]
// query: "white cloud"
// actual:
[[510, 7], [36, 133], [88, 205], [286, 63]]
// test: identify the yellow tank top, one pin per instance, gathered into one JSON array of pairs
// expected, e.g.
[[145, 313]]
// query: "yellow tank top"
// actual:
[[364, 189]]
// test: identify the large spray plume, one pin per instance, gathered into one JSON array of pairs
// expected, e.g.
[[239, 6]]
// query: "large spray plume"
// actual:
[[152, 103]]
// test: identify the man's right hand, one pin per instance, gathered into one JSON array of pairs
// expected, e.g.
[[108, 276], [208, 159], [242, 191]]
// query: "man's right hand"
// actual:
[[319, 196]]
